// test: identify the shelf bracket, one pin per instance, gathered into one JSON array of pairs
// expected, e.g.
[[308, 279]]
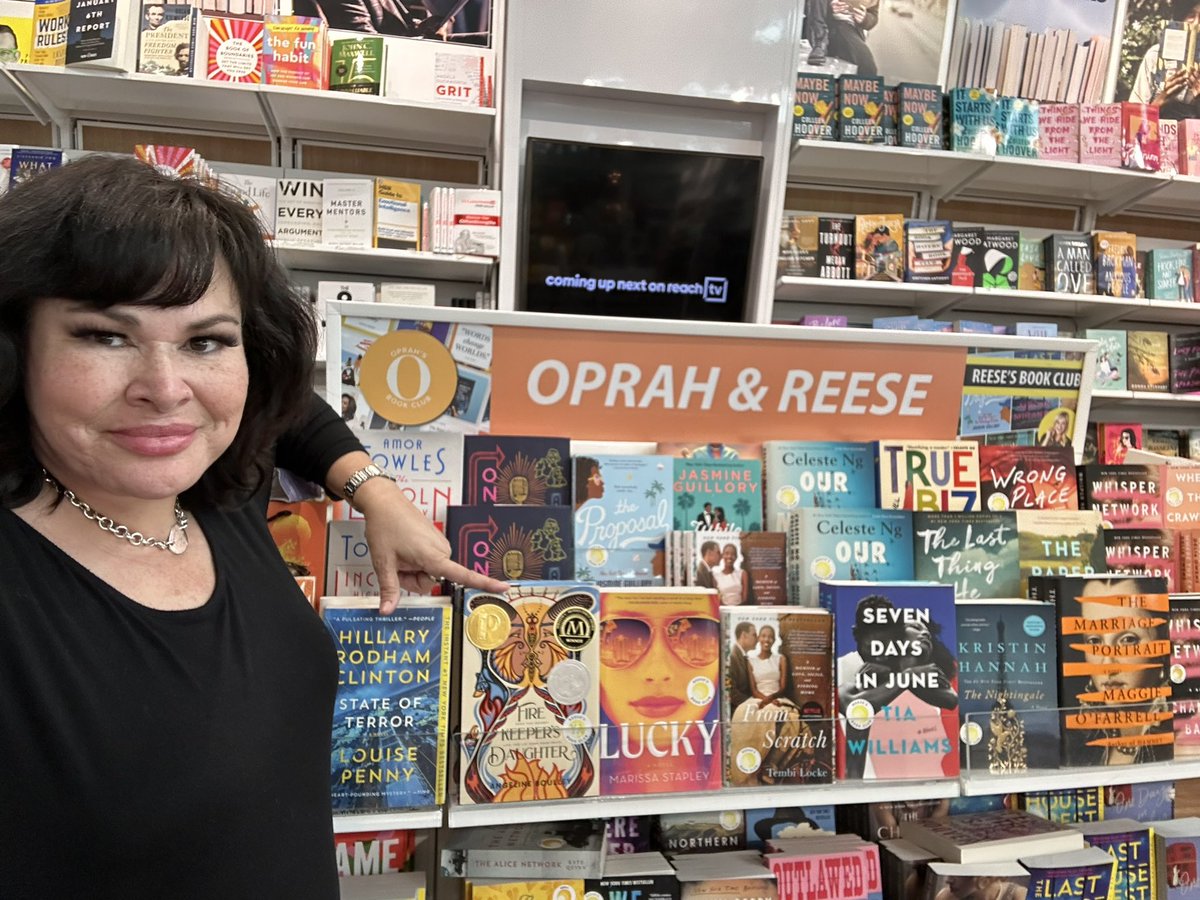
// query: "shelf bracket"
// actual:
[[26, 97], [282, 150], [964, 182], [934, 308], [1140, 192]]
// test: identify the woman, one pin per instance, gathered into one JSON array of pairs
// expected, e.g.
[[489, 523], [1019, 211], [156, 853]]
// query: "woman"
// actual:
[[1126, 441], [768, 670], [165, 690], [731, 579], [719, 521], [1059, 433]]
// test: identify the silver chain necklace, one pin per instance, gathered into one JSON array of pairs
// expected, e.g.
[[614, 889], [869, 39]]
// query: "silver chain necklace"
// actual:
[[176, 542]]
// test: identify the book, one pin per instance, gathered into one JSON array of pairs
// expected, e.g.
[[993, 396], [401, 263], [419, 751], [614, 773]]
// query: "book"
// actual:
[[860, 99], [1181, 496], [392, 886], [1100, 134], [1131, 845], [299, 531], [361, 853], [1007, 685], [1059, 127], [972, 121], [1184, 347], [891, 111], [976, 553], [17, 17], [798, 241], [660, 690], [947, 879], [699, 832], [475, 222], [99, 36], [1116, 439], [777, 697], [530, 694], [512, 542], [347, 213], [501, 470], [1086, 874], [235, 49], [505, 888], [929, 247], [1017, 128], [967, 270], [295, 52], [255, 191], [1065, 806], [816, 474], [426, 466], [397, 214], [1111, 357], [622, 515], [299, 205], [991, 836], [1115, 263], [392, 709], [1149, 361], [1176, 851], [897, 679], [928, 475], [1189, 147], [1027, 478], [1168, 146], [1126, 496], [846, 544], [843, 867], [51, 20], [1184, 630], [815, 108], [1140, 551], [167, 39], [1001, 259], [1169, 274], [764, 560], [835, 247], [733, 486], [356, 65], [28, 162], [1069, 268], [526, 850], [879, 247], [919, 116], [1059, 542], [645, 876], [1145, 802], [1140, 146]]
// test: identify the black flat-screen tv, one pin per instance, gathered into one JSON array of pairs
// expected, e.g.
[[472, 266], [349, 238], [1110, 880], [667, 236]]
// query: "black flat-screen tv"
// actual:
[[630, 231]]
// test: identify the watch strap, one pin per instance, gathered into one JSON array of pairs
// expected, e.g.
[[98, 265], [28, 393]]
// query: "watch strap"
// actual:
[[361, 477]]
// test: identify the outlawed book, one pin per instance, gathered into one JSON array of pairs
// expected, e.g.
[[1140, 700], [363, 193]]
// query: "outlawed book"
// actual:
[[1149, 361], [835, 247], [503, 470], [801, 474], [732, 486], [1128, 496], [527, 850], [512, 542], [397, 214], [660, 690], [1184, 627], [846, 544], [622, 516], [928, 475], [1027, 478], [1001, 259], [995, 836], [777, 699], [1007, 686], [976, 553], [798, 245], [929, 246], [1031, 275], [896, 647], [167, 39], [1131, 845], [356, 65], [860, 99], [530, 694], [815, 108], [1111, 355], [1116, 263], [1185, 362], [879, 247], [1069, 267], [1086, 874], [919, 115], [298, 209], [843, 865], [347, 213], [1059, 542], [235, 48], [392, 707], [295, 52]]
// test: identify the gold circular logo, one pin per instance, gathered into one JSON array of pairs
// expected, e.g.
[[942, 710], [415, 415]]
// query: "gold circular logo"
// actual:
[[408, 377], [487, 627], [575, 628]]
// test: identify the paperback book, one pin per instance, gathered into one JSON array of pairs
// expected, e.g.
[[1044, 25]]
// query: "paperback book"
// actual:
[[815, 110], [1126, 496], [356, 65], [1131, 845], [732, 486], [1019, 478], [1059, 542], [919, 116], [879, 247], [846, 544], [1111, 356], [1086, 874], [801, 474], [976, 553], [235, 48], [835, 247], [1149, 361], [502, 470], [1140, 551], [1184, 628], [622, 516], [798, 245]]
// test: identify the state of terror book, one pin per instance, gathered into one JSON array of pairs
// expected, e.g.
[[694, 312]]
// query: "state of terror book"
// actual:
[[530, 693]]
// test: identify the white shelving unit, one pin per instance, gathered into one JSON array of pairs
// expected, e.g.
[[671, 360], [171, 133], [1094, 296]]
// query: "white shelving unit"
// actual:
[[977, 785], [1105, 399], [399, 821], [387, 263]]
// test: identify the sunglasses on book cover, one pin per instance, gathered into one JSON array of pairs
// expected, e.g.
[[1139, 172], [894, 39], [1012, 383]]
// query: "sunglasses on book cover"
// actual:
[[694, 640]]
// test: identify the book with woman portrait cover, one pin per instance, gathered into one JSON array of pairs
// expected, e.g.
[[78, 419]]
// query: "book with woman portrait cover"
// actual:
[[816, 473], [530, 693], [732, 485], [622, 516], [393, 701], [896, 648], [777, 704], [660, 690]]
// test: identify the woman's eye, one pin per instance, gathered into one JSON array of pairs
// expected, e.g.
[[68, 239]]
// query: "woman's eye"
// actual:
[[98, 336], [210, 343]]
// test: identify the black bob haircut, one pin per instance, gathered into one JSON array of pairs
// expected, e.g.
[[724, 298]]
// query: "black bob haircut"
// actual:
[[107, 230]]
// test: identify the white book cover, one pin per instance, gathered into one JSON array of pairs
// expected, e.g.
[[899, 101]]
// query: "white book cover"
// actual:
[[258, 193], [348, 213], [403, 293], [298, 208], [345, 292], [1002, 61], [1078, 67], [997, 44], [438, 72], [958, 43], [476, 223], [1016, 60], [427, 465], [6, 151]]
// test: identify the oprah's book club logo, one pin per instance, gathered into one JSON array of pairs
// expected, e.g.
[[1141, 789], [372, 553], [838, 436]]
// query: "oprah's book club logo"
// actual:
[[408, 377]]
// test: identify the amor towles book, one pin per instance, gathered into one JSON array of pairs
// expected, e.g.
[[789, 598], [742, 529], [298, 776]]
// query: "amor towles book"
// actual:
[[516, 470], [975, 553], [928, 475], [622, 516], [816, 473], [897, 679], [426, 465], [393, 701], [530, 694]]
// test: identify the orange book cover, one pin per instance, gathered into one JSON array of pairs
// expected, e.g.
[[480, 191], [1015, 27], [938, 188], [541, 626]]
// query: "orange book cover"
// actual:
[[299, 531]]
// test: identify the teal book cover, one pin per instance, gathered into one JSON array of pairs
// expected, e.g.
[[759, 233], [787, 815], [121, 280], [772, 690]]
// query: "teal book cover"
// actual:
[[976, 553], [732, 486], [802, 474], [847, 545]]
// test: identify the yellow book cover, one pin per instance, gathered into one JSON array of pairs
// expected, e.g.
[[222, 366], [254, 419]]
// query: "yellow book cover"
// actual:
[[50, 33], [16, 32], [879, 247], [525, 890], [397, 214]]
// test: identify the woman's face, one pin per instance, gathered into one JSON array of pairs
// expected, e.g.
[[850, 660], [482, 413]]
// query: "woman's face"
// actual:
[[918, 634], [1127, 639], [729, 556], [1126, 439], [652, 657], [132, 401], [345, 404], [1060, 423], [766, 639]]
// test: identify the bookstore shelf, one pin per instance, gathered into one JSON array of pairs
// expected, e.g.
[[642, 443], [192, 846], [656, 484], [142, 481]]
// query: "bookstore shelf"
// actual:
[[11, 95], [867, 293], [387, 263], [1171, 312], [397, 821], [982, 784], [1103, 399], [1179, 198], [466, 816], [885, 168]]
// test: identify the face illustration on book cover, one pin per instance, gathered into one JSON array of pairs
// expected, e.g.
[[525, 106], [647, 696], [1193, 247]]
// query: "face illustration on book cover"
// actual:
[[659, 691]]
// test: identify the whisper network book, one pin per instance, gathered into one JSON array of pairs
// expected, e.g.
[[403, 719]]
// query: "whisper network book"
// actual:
[[622, 516]]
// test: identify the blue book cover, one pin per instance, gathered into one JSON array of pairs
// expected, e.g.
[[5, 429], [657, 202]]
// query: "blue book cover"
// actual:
[[1149, 802], [513, 543], [896, 648], [27, 162], [1168, 272], [392, 707], [972, 121], [846, 544], [623, 508], [1074, 875], [1131, 844], [803, 474], [1017, 127], [732, 486], [977, 553], [503, 470], [1007, 686]]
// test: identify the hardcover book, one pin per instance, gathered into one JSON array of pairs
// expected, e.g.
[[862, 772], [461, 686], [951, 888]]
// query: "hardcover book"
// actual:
[[426, 465], [976, 553], [28, 162], [968, 257], [295, 52], [644, 876], [502, 470], [1111, 358], [1027, 478], [897, 679], [860, 98], [1007, 686], [373, 852], [1168, 146], [622, 516], [928, 475], [1116, 263], [546, 851], [1059, 126], [17, 16], [348, 568], [919, 116], [817, 474], [1169, 274], [1068, 805], [347, 213], [512, 542], [1086, 874], [1181, 497], [530, 694], [1059, 542], [474, 222], [1140, 551], [392, 709], [356, 65], [798, 245], [777, 699], [1127, 496], [50, 29], [1010, 878], [299, 530], [815, 110], [660, 690], [99, 36], [891, 109], [1140, 147], [1116, 439], [255, 191], [835, 247], [1189, 147], [879, 247], [846, 544], [235, 48], [1001, 259], [298, 209], [1146, 801], [764, 559], [1185, 362], [1149, 361], [991, 836], [1069, 267], [166, 42], [1184, 628], [1131, 845], [732, 486], [397, 214], [929, 247], [680, 833], [1032, 273]]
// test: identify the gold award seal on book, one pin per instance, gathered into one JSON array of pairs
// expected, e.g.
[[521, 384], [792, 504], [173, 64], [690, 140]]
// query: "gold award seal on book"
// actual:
[[575, 628], [408, 377], [487, 627]]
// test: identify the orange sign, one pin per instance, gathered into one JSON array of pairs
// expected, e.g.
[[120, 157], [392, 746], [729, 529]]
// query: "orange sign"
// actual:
[[597, 385]]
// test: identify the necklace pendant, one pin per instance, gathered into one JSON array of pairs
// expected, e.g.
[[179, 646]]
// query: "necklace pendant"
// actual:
[[177, 540]]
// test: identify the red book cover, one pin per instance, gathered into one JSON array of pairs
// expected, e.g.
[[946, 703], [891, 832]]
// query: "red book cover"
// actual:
[[235, 48], [1139, 137], [1140, 551], [299, 530], [1115, 439], [1125, 496], [1027, 477]]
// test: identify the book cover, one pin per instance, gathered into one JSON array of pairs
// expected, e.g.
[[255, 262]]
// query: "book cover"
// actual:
[[801, 474], [1181, 496], [299, 530], [660, 690], [28, 162], [51, 20], [733, 486], [17, 17], [299, 205], [547, 851], [1001, 259], [167, 39], [949, 879], [919, 116], [255, 191], [1127, 496], [928, 475], [1146, 802], [1185, 362], [764, 560], [777, 698], [995, 836], [475, 222], [968, 257], [641, 876], [392, 708], [530, 694], [1189, 147], [860, 98], [235, 48], [1184, 629], [373, 852], [972, 121], [347, 213], [1027, 478], [505, 888], [929, 247], [976, 553], [512, 542], [897, 679], [879, 247], [1149, 361], [295, 52], [835, 247], [1068, 805], [1140, 147], [846, 544], [1007, 685], [1116, 439], [501, 470], [1111, 358], [891, 110], [1116, 263], [97, 34], [818, 321], [693, 832], [1086, 874], [348, 568], [1168, 146], [798, 245], [1069, 268], [1169, 274], [1162, 441], [426, 466], [397, 214], [1140, 551], [356, 65], [1100, 134], [622, 516], [1017, 127], [1114, 655], [1059, 542], [1059, 126], [1176, 852], [843, 869], [815, 108], [1131, 845]]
